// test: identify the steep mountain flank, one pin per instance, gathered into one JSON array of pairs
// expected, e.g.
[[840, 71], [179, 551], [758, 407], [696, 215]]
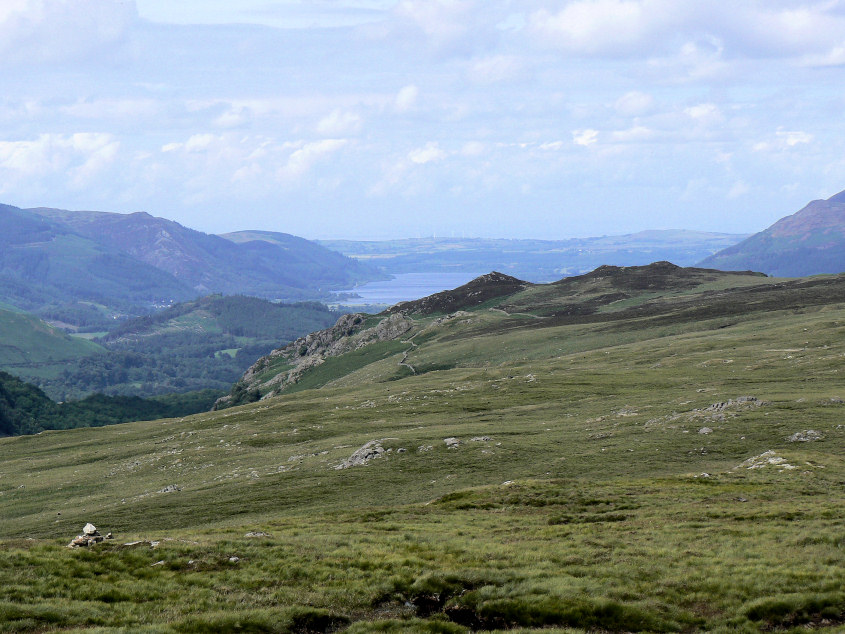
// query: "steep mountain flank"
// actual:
[[44, 263], [303, 259], [285, 367], [59, 262], [809, 242], [209, 263]]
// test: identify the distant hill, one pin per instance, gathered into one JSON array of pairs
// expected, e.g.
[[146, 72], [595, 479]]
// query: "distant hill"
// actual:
[[302, 259], [206, 343], [53, 259], [32, 348], [45, 264], [534, 260], [809, 242]]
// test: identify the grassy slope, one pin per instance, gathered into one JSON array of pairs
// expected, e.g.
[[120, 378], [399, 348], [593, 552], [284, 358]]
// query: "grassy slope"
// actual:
[[585, 506], [34, 348]]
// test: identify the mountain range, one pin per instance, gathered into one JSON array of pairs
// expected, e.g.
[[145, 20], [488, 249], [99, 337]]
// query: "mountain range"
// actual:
[[72, 266], [534, 260], [809, 242]]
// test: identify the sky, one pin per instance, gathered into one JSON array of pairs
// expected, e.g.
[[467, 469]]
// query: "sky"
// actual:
[[378, 119]]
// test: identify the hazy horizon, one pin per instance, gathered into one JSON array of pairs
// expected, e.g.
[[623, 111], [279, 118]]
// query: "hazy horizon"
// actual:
[[389, 119]]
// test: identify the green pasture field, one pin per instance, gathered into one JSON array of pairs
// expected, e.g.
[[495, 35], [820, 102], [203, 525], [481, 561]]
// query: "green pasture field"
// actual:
[[32, 348]]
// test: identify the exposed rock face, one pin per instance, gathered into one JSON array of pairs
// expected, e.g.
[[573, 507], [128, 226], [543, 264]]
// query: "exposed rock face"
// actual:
[[766, 459], [348, 334], [808, 435], [371, 450], [717, 411]]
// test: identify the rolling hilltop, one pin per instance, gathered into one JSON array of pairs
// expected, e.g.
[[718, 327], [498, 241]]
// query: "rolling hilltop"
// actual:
[[501, 305], [809, 242], [637, 449], [72, 266]]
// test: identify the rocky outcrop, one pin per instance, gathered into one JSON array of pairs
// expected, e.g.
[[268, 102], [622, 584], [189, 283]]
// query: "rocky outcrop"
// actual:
[[362, 456], [808, 435], [351, 332]]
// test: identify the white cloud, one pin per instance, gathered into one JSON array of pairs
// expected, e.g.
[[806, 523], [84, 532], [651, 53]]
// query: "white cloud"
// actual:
[[586, 137], [116, 109], [73, 159], [796, 28], [738, 190], [552, 146], [234, 117], [428, 154], [339, 123], [598, 27], [201, 142], [39, 31], [784, 140], [407, 98], [496, 69], [705, 113], [791, 138], [637, 134], [634, 104], [100, 152], [445, 23], [303, 159], [834, 57], [473, 148], [747, 28], [286, 15]]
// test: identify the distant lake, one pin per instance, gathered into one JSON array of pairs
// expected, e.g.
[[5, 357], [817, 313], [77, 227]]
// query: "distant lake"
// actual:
[[405, 287]]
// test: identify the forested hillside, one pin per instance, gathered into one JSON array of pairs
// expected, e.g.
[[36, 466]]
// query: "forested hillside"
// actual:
[[207, 343], [25, 409]]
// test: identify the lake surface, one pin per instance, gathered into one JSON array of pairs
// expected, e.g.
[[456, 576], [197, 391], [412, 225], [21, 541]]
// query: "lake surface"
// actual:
[[405, 287]]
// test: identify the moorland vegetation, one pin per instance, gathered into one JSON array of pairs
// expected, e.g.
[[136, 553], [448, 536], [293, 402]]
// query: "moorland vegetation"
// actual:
[[644, 449]]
